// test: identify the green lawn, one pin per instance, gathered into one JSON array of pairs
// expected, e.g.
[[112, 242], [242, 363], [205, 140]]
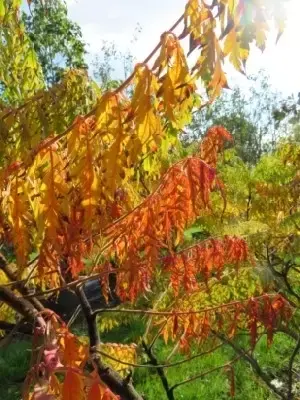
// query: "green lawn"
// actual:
[[14, 362], [213, 386]]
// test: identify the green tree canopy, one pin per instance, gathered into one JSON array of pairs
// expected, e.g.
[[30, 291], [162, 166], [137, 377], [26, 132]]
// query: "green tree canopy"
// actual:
[[56, 39], [249, 114]]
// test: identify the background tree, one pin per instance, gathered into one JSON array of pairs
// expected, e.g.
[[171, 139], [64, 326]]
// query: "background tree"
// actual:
[[20, 72], [112, 58], [288, 112], [248, 114], [57, 40]]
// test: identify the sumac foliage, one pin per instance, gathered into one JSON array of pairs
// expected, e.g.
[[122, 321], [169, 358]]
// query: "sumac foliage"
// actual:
[[90, 188]]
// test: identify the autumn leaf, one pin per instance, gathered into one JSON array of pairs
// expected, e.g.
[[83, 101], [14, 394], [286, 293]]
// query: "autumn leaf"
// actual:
[[2, 10], [94, 184], [144, 108], [73, 388], [74, 352], [232, 47], [95, 392]]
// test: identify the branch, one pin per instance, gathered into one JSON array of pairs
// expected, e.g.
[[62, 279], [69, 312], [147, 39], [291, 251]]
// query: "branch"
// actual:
[[252, 361], [28, 279], [290, 371], [81, 280], [21, 306], [170, 365], [289, 332], [110, 377], [287, 283], [9, 337], [172, 313], [159, 370], [25, 328], [72, 284], [74, 316], [193, 378], [19, 285], [282, 275]]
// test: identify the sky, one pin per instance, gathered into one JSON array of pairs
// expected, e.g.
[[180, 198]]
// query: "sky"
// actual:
[[116, 20]]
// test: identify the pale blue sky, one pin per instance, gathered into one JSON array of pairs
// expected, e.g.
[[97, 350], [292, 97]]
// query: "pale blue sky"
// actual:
[[116, 20]]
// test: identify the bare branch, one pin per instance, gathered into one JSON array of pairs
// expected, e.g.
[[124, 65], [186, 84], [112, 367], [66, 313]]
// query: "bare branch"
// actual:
[[290, 373], [253, 362], [172, 313], [20, 286], [289, 332], [111, 378], [24, 329], [159, 370], [193, 378], [21, 306]]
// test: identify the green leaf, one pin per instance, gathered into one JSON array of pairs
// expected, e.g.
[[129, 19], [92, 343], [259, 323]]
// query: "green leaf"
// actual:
[[297, 260], [2, 10]]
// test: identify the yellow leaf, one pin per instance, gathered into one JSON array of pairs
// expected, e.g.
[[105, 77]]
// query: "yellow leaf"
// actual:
[[2, 10], [177, 84], [232, 6], [144, 107], [120, 352], [233, 49]]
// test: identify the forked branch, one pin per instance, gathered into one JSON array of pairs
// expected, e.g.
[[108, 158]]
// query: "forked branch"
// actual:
[[253, 362], [111, 378]]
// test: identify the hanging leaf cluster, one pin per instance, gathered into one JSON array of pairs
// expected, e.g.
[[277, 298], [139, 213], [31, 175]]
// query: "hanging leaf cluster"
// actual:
[[258, 315], [58, 353]]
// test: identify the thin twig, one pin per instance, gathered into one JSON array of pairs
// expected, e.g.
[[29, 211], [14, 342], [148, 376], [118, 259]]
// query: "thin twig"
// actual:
[[74, 283], [252, 361], [290, 371], [172, 313], [71, 284], [74, 316], [148, 326], [13, 283], [158, 333], [169, 365], [193, 378], [9, 337]]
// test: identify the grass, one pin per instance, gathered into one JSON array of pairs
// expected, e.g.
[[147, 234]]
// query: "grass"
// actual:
[[213, 386], [14, 361]]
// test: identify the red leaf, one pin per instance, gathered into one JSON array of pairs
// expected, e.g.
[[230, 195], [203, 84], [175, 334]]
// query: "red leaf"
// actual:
[[213, 143], [95, 392], [253, 310], [73, 386], [175, 325]]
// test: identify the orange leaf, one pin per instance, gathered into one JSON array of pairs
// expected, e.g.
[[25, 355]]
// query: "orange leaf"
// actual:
[[73, 386], [75, 353], [95, 392]]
